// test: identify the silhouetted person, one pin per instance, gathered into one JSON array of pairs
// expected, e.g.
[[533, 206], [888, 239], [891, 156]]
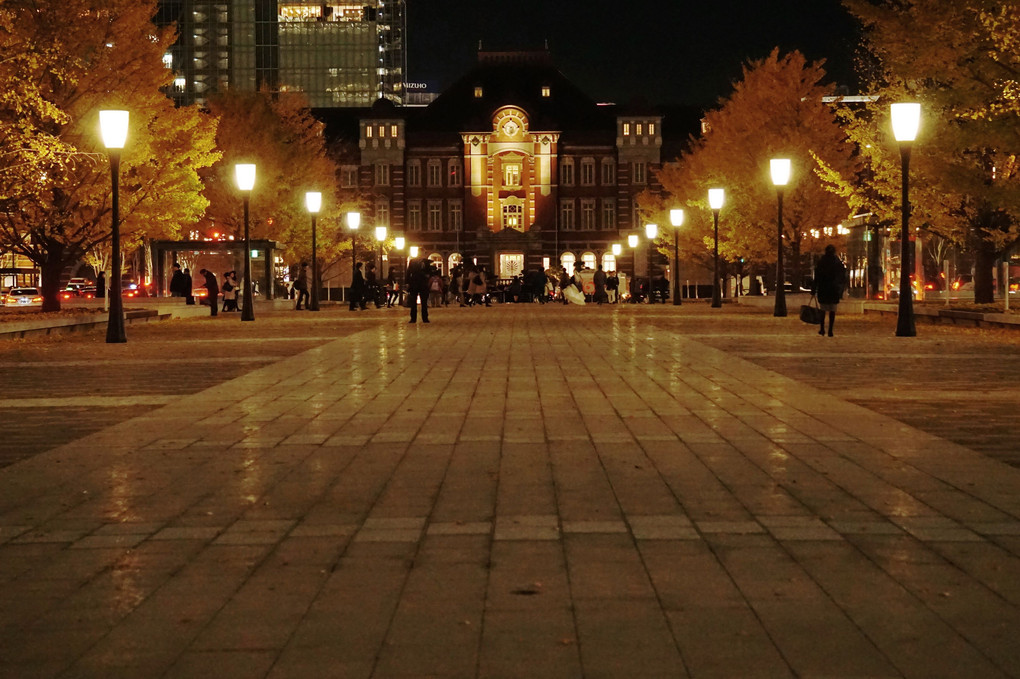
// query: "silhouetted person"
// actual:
[[213, 288], [416, 280], [828, 285]]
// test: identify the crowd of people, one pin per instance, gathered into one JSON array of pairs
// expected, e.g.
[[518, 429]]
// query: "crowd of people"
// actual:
[[470, 285]]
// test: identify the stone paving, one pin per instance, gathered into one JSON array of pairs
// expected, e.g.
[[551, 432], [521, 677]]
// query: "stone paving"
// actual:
[[520, 492]]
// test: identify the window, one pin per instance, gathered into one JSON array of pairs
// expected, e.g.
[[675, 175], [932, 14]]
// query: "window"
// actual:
[[512, 174], [608, 172], [546, 91], [369, 130], [455, 173], [382, 131], [393, 131], [456, 215], [349, 176], [637, 129], [608, 213], [414, 173], [414, 215], [567, 260], [382, 212], [513, 216], [588, 172], [567, 215], [626, 129], [567, 172], [588, 214], [382, 174], [639, 174], [588, 259], [435, 215], [609, 262], [651, 129], [435, 173], [478, 92]]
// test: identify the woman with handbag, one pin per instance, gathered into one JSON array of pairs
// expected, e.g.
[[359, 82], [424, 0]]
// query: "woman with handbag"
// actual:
[[828, 285]]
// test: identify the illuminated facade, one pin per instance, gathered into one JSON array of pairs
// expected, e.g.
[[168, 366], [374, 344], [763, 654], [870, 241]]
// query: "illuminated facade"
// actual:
[[339, 53], [512, 167]]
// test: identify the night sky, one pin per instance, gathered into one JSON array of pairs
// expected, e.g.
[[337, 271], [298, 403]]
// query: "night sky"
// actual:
[[664, 51]]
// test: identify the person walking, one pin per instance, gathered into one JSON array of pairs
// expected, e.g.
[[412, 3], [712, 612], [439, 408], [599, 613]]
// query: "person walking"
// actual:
[[476, 287], [416, 280], [828, 285], [465, 285], [301, 285], [435, 287], [392, 288], [213, 288], [564, 282], [371, 285], [357, 289]]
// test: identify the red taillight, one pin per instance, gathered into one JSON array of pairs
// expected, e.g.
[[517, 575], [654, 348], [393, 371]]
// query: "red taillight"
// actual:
[[929, 286], [65, 296], [37, 299]]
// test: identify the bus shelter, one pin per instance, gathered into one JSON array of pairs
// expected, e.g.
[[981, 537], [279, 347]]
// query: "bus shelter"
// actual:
[[218, 256]]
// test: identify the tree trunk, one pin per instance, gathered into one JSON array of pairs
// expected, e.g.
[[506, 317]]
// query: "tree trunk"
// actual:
[[51, 269], [984, 266]]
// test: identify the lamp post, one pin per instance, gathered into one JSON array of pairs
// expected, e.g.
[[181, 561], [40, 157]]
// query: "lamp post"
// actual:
[[651, 232], [780, 169], [380, 237], [245, 176], [716, 198], [906, 118], [676, 218], [113, 126], [313, 201], [632, 241]]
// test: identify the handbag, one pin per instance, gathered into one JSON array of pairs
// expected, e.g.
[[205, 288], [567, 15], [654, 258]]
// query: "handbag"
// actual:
[[811, 313]]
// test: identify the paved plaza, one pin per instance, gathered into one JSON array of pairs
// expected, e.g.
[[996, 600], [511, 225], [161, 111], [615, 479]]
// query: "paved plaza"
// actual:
[[517, 492]]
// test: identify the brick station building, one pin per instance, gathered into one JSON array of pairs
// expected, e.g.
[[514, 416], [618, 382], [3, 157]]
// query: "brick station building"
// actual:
[[512, 167]]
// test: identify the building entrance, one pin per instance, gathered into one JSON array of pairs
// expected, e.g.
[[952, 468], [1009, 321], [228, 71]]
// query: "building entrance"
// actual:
[[510, 264]]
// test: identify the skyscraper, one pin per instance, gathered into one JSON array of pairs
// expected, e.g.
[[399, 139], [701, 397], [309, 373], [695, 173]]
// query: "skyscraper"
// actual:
[[340, 53]]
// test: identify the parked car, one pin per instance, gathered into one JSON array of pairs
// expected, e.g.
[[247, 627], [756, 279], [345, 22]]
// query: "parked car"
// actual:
[[23, 297]]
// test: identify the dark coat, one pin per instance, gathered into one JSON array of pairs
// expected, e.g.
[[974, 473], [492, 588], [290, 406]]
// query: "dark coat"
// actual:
[[357, 281], [417, 277], [211, 285], [830, 280], [179, 286]]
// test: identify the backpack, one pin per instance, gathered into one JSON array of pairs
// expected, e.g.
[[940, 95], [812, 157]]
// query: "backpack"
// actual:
[[435, 284]]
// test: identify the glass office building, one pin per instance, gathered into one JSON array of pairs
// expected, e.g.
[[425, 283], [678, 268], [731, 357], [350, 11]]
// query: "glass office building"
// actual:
[[339, 53]]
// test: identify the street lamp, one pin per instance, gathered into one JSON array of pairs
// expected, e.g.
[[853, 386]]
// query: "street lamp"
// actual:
[[716, 198], [632, 241], [113, 126], [313, 201], [906, 118], [380, 236], [780, 168], [245, 176], [676, 218]]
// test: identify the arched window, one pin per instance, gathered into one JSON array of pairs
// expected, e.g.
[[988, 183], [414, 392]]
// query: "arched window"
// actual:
[[589, 260], [455, 259], [567, 260], [609, 262], [436, 260]]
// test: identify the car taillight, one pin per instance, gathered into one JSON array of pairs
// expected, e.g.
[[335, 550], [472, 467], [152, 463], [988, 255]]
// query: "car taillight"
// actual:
[[37, 299]]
